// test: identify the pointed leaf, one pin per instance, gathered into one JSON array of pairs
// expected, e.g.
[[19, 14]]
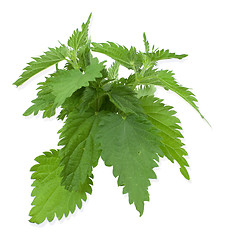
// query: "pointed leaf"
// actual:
[[84, 56], [50, 197], [145, 90], [162, 117], [65, 82], [146, 43], [88, 99], [125, 99], [166, 79], [130, 145], [81, 149], [128, 58], [113, 71], [79, 38], [60, 86], [164, 54], [44, 101], [71, 104], [51, 57]]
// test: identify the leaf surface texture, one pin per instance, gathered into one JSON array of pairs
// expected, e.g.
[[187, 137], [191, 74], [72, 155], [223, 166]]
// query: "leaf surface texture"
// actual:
[[128, 58], [50, 197], [49, 58], [130, 145], [125, 99], [162, 117], [81, 148], [166, 79]]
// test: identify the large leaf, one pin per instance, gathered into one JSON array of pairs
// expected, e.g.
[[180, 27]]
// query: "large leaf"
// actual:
[[81, 149], [128, 58], [125, 99], [50, 197], [162, 117], [51, 57], [130, 145]]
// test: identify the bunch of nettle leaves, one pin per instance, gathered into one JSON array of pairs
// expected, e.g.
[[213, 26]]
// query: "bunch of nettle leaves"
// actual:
[[105, 115]]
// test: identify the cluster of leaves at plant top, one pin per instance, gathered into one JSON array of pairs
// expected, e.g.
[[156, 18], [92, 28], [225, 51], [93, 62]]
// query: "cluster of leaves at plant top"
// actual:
[[105, 115]]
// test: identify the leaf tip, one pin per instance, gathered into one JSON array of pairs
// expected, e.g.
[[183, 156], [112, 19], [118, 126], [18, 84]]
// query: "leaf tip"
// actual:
[[16, 83], [185, 173]]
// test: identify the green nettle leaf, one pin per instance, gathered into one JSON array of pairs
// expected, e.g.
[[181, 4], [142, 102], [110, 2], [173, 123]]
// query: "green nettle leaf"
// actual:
[[84, 56], [51, 57], [146, 43], [66, 82], [145, 90], [71, 104], [132, 151], [113, 71], [165, 54], [44, 102], [166, 79], [81, 149], [79, 38], [105, 115], [52, 94], [128, 58], [89, 99], [125, 99], [162, 117], [50, 197]]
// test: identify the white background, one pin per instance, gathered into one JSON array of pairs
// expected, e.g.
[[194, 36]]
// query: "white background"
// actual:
[[178, 209]]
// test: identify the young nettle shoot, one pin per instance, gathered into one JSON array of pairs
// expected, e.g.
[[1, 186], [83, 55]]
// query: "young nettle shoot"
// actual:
[[105, 115]]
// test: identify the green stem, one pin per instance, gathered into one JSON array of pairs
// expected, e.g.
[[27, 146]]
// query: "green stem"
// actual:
[[97, 103], [136, 78], [75, 64]]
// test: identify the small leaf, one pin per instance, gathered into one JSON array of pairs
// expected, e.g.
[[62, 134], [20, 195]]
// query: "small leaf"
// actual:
[[165, 54], [84, 56], [89, 98], [80, 38], [113, 71], [146, 43], [184, 172], [44, 101], [51, 57], [125, 99], [128, 58], [71, 104], [145, 90]]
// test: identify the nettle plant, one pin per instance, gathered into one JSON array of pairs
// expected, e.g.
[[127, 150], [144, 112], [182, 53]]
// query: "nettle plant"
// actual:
[[118, 119]]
